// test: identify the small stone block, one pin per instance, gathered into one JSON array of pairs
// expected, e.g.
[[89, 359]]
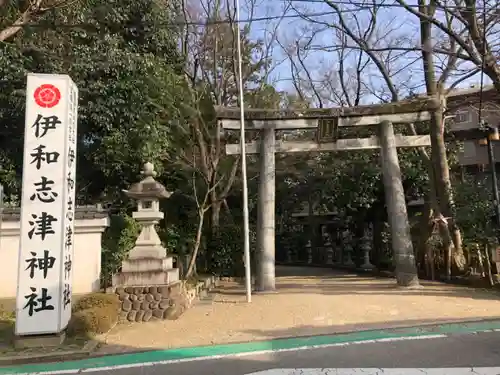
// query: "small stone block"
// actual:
[[145, 305], [131, 316], [172, 313], [147, 316], [139, 316], [39, 341], [127, 305], [153, 290], [164, 304], [174, 290], [123, 296], [149, 298], [164, 291], [157, 296], [138, 290], [168, 313], [154, 305], [141, 297], [158, 313], [136, 305], [132, 297], [129, 290]]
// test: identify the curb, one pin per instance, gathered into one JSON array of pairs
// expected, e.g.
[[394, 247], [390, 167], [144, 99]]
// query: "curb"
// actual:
[[201, 294], [69, 355], [75, 362]]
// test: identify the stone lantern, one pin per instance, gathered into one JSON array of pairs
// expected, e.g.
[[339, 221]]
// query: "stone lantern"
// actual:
[[366, 247], [348, 248], [148, 263]]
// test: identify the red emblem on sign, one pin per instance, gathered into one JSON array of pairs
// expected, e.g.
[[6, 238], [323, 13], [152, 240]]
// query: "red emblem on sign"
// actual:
[[47, 96]]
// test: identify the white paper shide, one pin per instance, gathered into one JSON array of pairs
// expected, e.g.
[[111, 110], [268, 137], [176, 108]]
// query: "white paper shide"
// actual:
[[43, 303]]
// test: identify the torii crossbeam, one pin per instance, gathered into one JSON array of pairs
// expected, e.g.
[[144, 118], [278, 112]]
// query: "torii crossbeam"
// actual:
[[327, 122]]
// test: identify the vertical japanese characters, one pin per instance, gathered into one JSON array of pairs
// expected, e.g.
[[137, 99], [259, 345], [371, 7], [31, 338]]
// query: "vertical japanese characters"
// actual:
[[69, 205], [47, 208]]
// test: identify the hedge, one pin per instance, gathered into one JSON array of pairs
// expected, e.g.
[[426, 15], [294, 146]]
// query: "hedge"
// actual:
[[93, 314]]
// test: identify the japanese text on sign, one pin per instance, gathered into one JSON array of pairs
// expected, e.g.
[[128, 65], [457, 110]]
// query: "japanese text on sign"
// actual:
[[47, 208]]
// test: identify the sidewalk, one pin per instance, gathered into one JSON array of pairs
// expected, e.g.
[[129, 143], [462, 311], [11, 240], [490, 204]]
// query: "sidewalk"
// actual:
[[308, 302]]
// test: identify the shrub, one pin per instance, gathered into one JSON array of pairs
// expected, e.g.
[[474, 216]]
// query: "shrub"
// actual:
[[227, 251], [97, 300], [95, 320], [117, 241], [7, 322]]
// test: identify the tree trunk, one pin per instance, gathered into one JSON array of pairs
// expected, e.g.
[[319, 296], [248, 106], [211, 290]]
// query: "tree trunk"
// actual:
[[213, 227], [215, 217], [197, 243], [459, 259], [441, 172], [425, 230], [378, 245], [449, 231], [430, 258], [480, 259], [311, 220], [488, 264]]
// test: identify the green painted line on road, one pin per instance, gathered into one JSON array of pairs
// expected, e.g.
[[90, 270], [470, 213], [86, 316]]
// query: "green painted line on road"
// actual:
[[250, 347]]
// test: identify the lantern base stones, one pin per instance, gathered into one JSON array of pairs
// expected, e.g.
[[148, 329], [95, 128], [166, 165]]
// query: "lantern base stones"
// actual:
[[142, 304]]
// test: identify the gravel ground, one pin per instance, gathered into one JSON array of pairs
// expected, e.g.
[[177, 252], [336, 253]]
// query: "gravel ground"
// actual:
[[307, 302]]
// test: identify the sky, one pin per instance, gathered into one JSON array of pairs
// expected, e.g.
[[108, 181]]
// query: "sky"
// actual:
[[394, 25]]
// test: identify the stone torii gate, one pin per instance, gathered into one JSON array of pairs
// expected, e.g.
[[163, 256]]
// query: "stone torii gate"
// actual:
[[327, 122]]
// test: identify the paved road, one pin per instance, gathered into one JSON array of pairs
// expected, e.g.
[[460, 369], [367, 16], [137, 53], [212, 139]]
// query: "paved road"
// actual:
[[459, 350]]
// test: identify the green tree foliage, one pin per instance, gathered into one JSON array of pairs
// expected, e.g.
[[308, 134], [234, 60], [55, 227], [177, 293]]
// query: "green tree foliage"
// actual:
[[120, 54], [117, 241], [474, 210]]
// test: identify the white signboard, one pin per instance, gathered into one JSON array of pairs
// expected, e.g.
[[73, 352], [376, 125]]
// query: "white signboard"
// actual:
[[47, 207]]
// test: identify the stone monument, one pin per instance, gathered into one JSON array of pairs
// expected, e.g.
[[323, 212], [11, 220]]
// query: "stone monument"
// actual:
[[148, 282]]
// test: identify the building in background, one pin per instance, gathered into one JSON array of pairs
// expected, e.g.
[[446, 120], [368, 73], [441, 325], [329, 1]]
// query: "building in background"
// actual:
[[464, 105]]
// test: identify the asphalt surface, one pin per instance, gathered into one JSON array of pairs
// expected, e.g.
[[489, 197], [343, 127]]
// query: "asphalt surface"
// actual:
[[460, 350]]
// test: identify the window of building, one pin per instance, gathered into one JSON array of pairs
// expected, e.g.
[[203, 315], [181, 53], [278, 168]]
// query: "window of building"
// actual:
[[470, 149], [462, 117]]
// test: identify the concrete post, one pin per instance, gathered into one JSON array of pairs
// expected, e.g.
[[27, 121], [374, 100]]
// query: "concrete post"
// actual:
[[406, 270], [265, 275]]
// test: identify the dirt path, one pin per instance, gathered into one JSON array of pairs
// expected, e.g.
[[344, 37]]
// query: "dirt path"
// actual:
[[308, 302]]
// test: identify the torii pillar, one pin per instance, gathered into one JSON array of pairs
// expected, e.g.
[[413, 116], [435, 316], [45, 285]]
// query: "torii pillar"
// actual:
[[406, 272], [266, 206], [266, 147]]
